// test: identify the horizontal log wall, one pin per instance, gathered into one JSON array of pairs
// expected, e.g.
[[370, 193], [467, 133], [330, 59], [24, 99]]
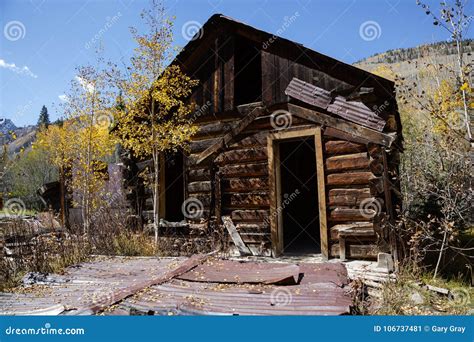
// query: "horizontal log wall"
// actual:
[[354, 196]]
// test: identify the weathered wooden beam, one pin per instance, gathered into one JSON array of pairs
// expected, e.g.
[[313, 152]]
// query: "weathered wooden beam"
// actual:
[[247, 170], [323, 228], [251, 112], [348, 197], [343, 215], [347, 162], [249, 215], [350, 226], [347, 127], [244, 155], [245, 184], [252, 199], [235, 236], [350, 178], [336, 147], [203, 186]]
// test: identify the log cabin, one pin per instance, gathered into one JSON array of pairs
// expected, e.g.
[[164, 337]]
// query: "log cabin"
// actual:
[[297, 153]]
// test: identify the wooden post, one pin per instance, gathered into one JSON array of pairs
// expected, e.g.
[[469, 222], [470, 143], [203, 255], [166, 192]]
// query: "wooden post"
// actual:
[[218, 197], [323, 229]]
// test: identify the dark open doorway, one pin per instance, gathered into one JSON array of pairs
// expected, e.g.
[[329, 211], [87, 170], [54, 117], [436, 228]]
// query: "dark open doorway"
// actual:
[[299, 197], [174, 186]]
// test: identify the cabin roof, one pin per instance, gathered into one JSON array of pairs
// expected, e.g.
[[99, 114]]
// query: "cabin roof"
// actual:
[[296, 51]]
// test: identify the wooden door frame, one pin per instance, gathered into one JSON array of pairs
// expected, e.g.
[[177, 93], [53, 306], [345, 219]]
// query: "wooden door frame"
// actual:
[[276, 218]]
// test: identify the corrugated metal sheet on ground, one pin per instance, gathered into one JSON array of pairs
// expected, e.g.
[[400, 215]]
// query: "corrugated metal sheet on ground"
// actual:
[[218, 287]]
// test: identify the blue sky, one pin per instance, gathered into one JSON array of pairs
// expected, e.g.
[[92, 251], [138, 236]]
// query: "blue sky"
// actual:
[[42, 41]]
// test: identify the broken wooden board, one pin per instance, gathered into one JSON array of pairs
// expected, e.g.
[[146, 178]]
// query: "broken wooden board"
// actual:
[[102, 303], [235, 236], [342, 125], [251, 113]]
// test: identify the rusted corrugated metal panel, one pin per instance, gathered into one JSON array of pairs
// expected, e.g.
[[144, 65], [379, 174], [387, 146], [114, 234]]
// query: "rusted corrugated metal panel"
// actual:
[[356, 112], [102, 283], [86, 285], [184, 297], [324, 272], [226, 271], [308, 93]]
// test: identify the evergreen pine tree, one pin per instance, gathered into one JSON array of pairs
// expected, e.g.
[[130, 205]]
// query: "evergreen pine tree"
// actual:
[[43, 120]]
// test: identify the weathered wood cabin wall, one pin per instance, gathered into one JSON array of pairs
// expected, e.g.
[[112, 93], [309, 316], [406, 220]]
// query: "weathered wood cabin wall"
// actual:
[[238, 77]]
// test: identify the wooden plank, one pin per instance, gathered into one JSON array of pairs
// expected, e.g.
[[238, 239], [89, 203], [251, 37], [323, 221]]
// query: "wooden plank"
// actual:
[[334, 231], [347, 215], [267, 81], [236, 238], [212, 129], [350, 178], [245, 170], [354, 251], [318, 144], [218, 196], [229, 70], [252, 199], [276, 245], [253, 140], [240, 156], [245, 184], [347, 127], [199, 174], [197, 146], [348, 197], [336, 147], [251, 112], [203, 186], [336, 133], [347, 162], [249, 215]]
